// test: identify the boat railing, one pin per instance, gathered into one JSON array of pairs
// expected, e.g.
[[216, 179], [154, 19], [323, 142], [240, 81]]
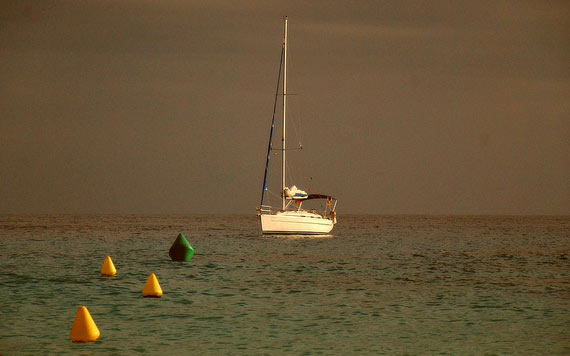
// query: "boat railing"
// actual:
[[268, 210], [264, 209]]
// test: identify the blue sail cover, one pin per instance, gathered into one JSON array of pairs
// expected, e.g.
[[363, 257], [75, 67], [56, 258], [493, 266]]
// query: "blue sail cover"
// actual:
[[295, 193], [299, 196]]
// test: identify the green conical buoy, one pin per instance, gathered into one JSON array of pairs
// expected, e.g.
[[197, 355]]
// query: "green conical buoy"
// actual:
[[181, 249]]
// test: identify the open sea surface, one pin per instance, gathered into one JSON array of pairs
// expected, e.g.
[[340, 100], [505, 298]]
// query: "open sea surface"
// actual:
[[379, 285]]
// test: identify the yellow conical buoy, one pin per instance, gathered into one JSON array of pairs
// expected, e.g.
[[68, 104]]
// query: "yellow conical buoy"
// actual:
[[108, 268], [152, 288], [84, 328]]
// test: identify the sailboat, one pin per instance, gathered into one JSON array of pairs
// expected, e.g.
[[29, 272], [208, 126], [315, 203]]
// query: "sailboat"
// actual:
[[291, 218]]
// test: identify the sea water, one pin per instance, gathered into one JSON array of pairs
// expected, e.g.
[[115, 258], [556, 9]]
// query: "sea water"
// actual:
[[378, 285]]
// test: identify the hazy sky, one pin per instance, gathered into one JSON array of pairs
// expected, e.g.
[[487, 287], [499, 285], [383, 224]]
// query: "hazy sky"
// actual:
[[403, 107]]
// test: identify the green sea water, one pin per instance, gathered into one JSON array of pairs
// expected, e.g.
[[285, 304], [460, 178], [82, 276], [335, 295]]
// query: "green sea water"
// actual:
[[379, 285]]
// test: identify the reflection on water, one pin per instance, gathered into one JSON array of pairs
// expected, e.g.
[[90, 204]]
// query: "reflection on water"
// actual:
[[378, 285], [293, 236]]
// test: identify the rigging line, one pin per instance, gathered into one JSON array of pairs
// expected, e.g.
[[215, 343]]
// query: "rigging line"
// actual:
[[296, 134], [270, 144], [293, 171], [294, 117], [274, 194], [293, 174]]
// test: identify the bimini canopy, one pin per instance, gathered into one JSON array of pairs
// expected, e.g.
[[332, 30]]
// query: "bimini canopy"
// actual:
[[319, 196]]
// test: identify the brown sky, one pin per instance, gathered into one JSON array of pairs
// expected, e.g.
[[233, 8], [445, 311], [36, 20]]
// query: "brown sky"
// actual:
[[403, 107]]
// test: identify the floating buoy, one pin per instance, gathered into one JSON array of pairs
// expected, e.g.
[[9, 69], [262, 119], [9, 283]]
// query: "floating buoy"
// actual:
[[152, 288], [181, 249], [108, 268], [84, 328]]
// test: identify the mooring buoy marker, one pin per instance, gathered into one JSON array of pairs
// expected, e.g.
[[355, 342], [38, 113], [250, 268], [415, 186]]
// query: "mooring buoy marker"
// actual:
[[108, 268], [84, 328], [181, 249], [152, 288]]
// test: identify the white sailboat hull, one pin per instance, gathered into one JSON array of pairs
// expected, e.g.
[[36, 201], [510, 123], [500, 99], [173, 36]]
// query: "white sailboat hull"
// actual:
[[295, 222]]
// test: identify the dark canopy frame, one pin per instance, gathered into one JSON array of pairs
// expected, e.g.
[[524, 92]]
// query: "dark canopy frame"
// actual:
[[316, 196]]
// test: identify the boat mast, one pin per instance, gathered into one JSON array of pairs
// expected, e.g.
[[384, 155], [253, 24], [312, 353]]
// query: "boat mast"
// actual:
[[284, 108]]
